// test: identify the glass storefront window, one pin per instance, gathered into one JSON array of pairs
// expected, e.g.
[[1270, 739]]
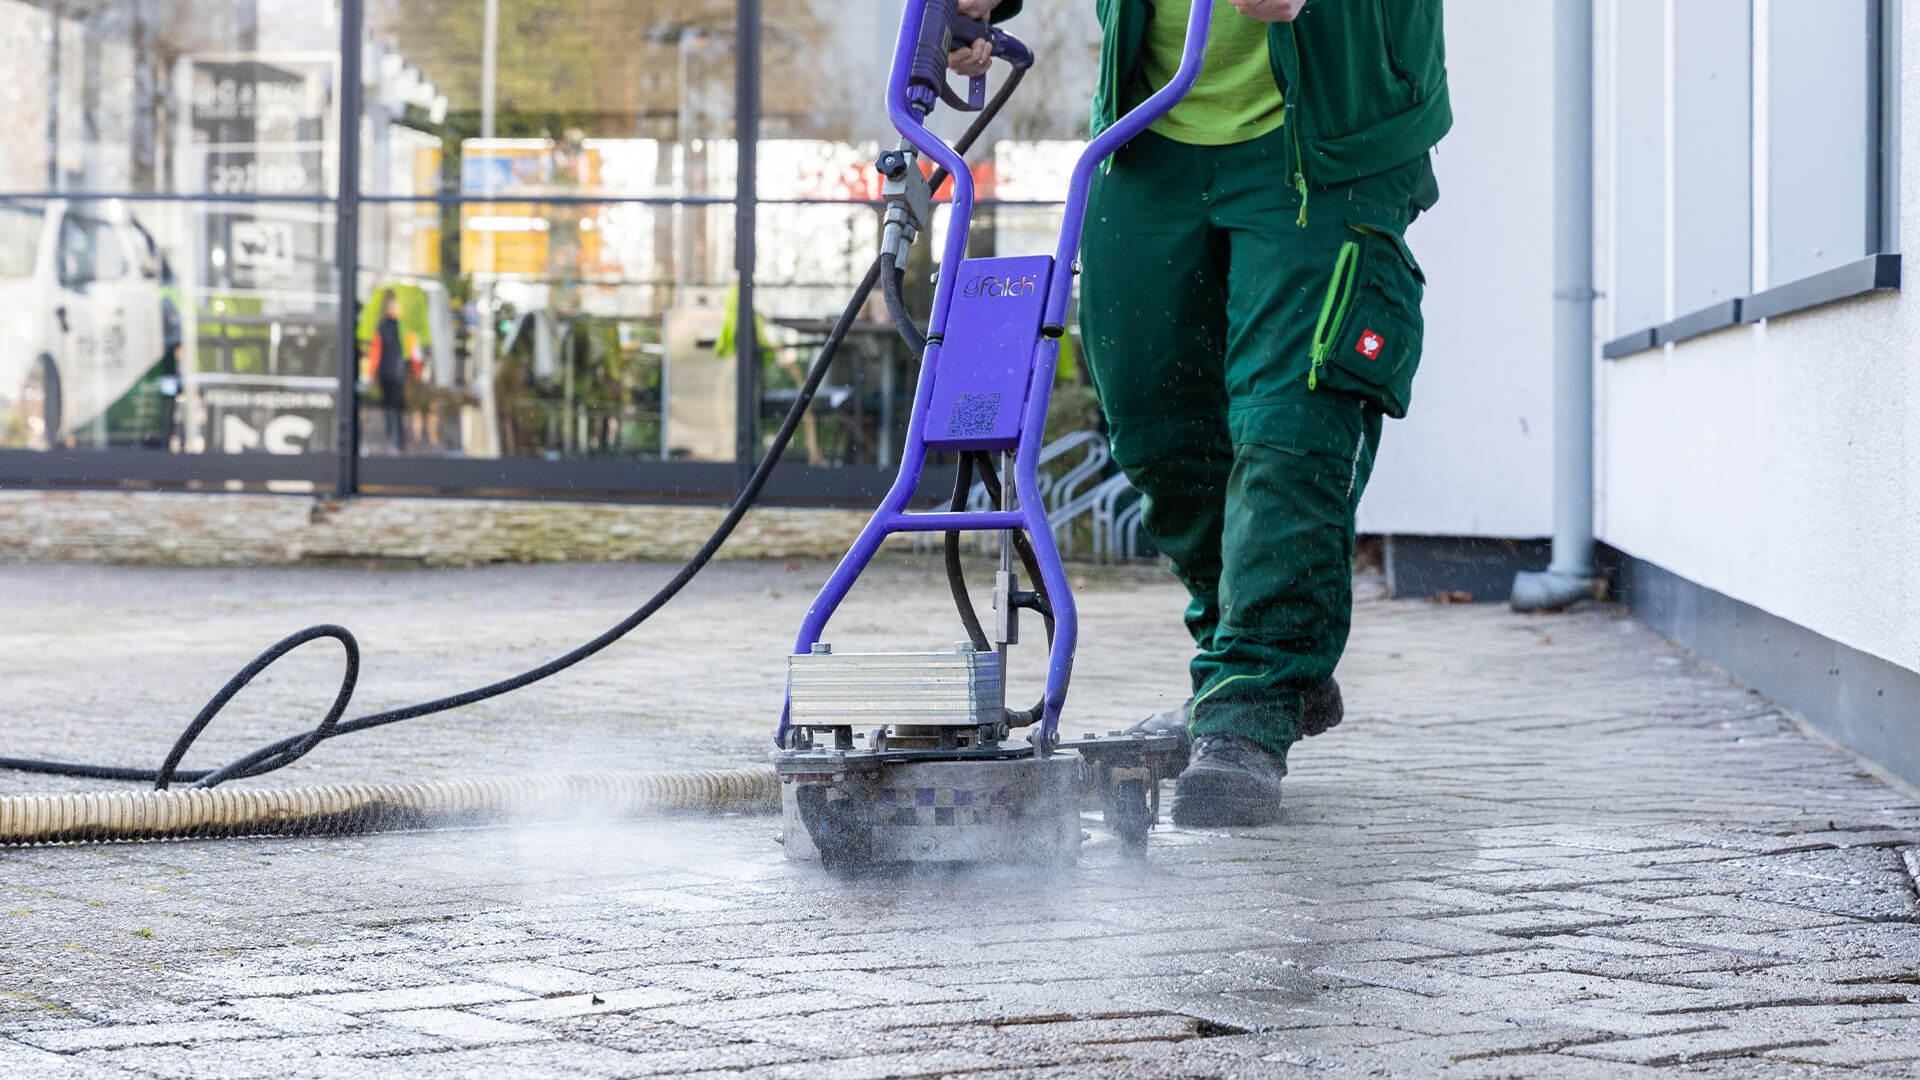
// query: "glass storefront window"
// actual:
[[844, 100], [638, 96], [809, 258], [191, 97], [192, 327], [548, 331], [546, 266], [822, 126]]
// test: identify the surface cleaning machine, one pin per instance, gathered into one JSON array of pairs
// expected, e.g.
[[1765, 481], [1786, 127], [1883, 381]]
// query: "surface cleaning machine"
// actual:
[[883, 758], [890, 758]]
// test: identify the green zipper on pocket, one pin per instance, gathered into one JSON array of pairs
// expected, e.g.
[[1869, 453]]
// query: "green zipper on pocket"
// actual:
[[1333, 309]]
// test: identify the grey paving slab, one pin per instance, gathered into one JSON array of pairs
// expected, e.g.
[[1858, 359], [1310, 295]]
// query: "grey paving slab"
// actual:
[[1699, 1046], [1648, 872], [463, 1028], [116, 1036], [19, 1059]]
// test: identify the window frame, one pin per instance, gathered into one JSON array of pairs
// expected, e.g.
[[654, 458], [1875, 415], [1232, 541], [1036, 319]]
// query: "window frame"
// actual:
[[1878, 270]]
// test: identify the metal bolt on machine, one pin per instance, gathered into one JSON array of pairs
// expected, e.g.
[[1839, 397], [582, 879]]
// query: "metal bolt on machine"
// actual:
[[892, 758]]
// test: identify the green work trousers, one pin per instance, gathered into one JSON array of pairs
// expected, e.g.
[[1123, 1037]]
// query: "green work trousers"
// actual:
[[1245, 353]]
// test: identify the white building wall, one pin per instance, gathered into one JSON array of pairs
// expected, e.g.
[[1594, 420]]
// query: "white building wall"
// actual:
[[1780, 463], [1474, 457]]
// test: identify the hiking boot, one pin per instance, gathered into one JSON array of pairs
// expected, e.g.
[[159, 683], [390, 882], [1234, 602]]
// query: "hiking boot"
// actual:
[[1230, 781], [1323, 710]]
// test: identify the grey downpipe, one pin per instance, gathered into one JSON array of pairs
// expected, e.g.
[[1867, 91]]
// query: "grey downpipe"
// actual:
[[1570, 576], [95, 816]]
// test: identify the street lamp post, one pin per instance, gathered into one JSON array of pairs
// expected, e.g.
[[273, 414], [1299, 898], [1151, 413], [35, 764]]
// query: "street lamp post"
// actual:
[[484, 333], [489, 65]]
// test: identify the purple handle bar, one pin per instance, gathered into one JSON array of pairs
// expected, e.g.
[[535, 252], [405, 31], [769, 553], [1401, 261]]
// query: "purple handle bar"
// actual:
[[908, 110]]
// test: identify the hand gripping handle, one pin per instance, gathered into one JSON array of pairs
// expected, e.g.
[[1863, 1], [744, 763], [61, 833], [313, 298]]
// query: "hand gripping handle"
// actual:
[[1005, 47], [943, 29]]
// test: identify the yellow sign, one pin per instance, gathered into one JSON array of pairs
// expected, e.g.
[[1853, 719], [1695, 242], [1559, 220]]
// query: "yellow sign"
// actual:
[[527, 237], [503, 238]]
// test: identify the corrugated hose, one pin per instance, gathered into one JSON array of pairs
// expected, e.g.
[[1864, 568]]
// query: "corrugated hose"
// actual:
[[332, 809]]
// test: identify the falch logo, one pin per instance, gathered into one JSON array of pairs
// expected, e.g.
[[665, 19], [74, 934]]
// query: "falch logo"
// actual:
[[1370, 344], [998, 287]]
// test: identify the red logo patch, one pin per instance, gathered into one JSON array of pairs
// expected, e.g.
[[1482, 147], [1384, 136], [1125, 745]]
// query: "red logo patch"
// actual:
[[1370, 344]]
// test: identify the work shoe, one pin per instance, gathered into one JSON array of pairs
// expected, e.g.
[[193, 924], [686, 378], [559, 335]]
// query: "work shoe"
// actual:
[[1229, 781], [1324, 709]]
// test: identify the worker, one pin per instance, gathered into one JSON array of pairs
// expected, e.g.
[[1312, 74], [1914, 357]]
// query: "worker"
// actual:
[[391, 360], [1250, 312]]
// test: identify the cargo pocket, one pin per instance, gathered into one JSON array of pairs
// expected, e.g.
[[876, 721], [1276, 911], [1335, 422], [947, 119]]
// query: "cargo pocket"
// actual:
[[1367, 339]]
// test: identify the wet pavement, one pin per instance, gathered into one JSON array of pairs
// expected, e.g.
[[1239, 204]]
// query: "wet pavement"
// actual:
[[1548, 846]]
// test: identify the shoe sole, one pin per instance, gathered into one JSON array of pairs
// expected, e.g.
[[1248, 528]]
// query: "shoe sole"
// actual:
[[1204, 801]]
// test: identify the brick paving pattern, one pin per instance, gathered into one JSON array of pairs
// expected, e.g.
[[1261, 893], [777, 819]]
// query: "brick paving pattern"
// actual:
[[1539, 847]]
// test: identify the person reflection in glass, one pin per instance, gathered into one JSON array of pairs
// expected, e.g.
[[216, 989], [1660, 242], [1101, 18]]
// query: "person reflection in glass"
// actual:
[[390, 368]]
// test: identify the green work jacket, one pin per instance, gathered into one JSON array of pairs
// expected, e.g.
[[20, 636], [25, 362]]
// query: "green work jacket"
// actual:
[[1365, 81]]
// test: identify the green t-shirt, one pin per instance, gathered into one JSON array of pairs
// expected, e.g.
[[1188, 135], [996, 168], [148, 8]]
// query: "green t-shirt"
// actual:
[[1235, 98]]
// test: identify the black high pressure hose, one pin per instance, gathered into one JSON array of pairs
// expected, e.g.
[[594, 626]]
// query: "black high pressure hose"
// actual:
[[957, 581], [286, 751], [892, 287]]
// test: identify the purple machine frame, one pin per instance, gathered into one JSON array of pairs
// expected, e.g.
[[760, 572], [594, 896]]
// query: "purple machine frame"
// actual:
[[1002, 352]]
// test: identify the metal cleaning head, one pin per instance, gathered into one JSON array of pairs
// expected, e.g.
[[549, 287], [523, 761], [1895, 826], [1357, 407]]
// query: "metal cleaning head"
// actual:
[[875, 813], [934, 778]]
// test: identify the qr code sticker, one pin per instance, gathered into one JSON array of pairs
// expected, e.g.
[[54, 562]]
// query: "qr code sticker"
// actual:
[[974, 414]]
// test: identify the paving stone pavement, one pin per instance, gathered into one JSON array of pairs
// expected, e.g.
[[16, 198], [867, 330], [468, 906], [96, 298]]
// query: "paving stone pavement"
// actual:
[[1539, 847]]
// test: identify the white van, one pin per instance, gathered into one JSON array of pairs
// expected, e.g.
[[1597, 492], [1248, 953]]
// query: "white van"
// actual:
[[81, 318]]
